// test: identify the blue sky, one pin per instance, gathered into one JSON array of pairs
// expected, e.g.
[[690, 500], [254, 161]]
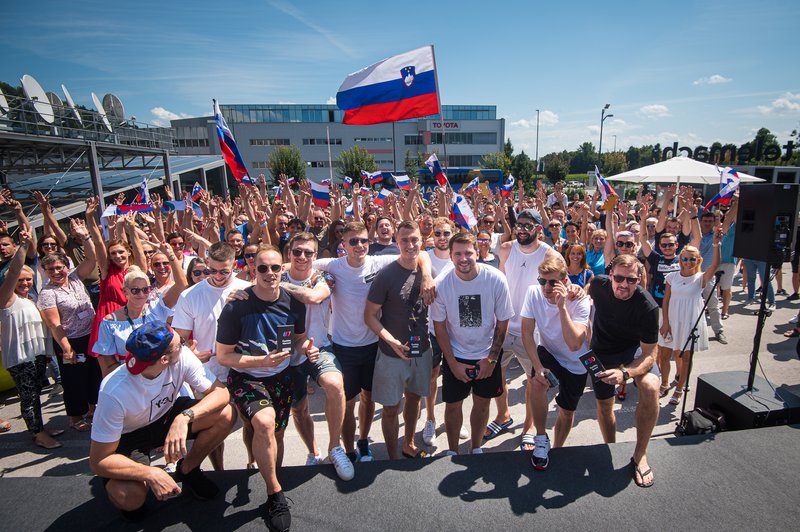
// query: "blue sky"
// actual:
[[693, 72]]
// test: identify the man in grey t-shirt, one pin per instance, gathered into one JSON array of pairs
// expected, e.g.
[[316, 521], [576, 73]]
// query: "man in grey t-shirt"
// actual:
[[396, 313]]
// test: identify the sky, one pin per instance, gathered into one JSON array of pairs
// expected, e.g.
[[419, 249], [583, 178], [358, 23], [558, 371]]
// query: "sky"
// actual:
[[691, 72]]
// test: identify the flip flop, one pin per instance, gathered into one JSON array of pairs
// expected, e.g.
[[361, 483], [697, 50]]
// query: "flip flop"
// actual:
[[81, 426], [420, 454], [663, 390], [794, 333], [54, 433], [493, 429], [642, 474], [528, 443], [56, 445]]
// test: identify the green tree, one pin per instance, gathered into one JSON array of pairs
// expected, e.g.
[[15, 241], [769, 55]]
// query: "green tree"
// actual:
[[522, 166], [497, 160], [508, 149], [555, 167], [614, 163], [286, 160], [633, 157], [584, 159], [353, 160]]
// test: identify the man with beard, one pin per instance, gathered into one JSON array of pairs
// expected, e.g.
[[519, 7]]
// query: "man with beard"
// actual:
[[519, 260], [384, 238]]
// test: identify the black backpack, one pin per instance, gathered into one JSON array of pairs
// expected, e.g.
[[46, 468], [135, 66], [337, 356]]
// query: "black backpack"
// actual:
[[700, 421]]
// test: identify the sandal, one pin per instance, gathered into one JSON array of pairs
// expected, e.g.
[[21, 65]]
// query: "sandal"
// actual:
[[640, 481], [676, 398], [493, 429], [794, 333], [81, 425], [5, 426], [663, 390], [725, 316], [528, 443], [420, 454], [621, 395]]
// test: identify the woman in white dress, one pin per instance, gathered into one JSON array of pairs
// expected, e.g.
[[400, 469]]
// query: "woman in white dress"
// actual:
[[683, 303]]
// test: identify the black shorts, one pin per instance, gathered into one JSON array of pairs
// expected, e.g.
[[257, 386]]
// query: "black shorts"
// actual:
[[453, 390], [437, 351], [253, 394], [796, 253], [570, 386], [612, 361], [358, 365], [152, 436]]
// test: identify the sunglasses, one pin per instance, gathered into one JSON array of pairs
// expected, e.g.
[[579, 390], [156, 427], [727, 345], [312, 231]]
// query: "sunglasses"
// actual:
[[136, 291], [264, 268], [250, 255], [201, 272], [488, 221], [668, 244], [356, 241], [49, 245], [554, 225], [442, 233], [551, 282], [483, 241], [621, 278], [688, 259], [621, 244], [212, 271], [300, 252], [160, 264], [525, 227], [651, 226]]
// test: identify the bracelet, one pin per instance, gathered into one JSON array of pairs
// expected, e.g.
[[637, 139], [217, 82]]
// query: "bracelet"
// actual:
[[86, 238]]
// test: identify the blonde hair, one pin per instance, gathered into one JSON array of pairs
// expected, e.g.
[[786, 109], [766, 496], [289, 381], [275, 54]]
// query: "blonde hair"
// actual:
[[134, 274], [553, 264], [28, 269], [693, 249]]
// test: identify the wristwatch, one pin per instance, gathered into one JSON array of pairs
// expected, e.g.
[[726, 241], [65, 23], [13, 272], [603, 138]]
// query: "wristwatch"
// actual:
[[625, 375], [189, 413]]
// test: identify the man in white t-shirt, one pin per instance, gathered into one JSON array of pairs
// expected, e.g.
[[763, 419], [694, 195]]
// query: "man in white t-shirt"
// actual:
[[354, 344], [562, 326], [198, 309], [470, 316], [139, 409]]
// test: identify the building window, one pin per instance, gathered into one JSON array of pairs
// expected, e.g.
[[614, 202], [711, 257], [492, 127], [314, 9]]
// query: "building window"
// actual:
[[322, 142], [466, 161], [322, 164], [413, 140], [269, 142], [375, 139]]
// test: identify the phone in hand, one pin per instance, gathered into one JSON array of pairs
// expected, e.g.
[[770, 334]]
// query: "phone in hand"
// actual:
[[472, 372], [552, 379]]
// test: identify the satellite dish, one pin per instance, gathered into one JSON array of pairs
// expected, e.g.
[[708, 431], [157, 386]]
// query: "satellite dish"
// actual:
[[3, 105], [35, 93], [102, 112], [72, 105], [55, 101], [113, 107]]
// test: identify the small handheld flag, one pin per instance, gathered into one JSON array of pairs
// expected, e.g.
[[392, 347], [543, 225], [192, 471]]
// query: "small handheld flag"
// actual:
[[402, 181], [436, 169], [508, 189], [197, 191], [348, 182], [607, 194], [291, 181], [320, 193], [472, 184], [373, 177], [382, 196], [142, 195], [462, 213], [727, 189]]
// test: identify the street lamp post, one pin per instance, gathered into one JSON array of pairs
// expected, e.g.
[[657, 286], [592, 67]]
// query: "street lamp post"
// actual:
[[537, 143], [615, 142], [603, 117]]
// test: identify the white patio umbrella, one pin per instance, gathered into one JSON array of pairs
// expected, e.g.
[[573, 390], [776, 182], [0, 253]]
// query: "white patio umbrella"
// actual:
[[678, 170]]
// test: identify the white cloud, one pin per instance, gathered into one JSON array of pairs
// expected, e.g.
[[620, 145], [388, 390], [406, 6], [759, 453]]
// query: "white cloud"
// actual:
[[163, 116], [331, 100], [546, 118], [715, 79], [654, 110], [787, 103]]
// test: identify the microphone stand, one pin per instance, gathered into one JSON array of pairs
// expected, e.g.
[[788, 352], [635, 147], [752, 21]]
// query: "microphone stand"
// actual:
[[692, 339], [763, 314]]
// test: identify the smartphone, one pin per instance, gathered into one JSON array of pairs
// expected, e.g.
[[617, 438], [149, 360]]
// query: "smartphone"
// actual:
[[592, 364], [552, 379], [285, 333], [472, 372], [80, 358]]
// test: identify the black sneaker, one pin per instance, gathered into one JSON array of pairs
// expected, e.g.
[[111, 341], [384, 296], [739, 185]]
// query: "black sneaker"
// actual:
[[278, 517], [793, 297], [540, 458], [196, 483]]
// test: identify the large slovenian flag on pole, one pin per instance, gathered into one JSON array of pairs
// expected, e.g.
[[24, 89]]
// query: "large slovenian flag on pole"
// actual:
[[436, 169], [142, 195], [230, 151], [320, 193], [462, 213], [727, 189], [607, 194], [397, 88]]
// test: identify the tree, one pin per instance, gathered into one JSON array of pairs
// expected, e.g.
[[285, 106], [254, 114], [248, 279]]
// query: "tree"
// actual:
[[584, 159], [497, 160], [286, 160], [353, 160], [614, 163], [633, 156], [508, 149], [555, 167], [522, 166]]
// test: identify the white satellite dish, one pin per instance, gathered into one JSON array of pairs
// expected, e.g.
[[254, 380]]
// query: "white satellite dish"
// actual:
[[35, 93], [72, 105], [3, 105], [55, 101], [102, 112], [113, 107]]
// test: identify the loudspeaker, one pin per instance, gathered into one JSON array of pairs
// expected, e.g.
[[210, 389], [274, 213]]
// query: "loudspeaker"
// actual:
[[763, 407], [765, 224]]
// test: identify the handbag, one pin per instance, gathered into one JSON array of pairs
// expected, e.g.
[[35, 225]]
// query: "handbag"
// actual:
[[700, 421]]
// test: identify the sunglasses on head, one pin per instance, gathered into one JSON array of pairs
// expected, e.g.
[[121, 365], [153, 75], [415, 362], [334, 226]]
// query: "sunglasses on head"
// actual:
[[300, 252], [688, 259], [356, 241], [201, 272], [136, 291], [264, 268], [442, 233], [621, 278], [525, 227], [551, 282], [621, 244]]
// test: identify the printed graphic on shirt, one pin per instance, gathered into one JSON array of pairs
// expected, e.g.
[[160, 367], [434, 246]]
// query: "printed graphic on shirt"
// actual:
[[163, 401], [469, 310]]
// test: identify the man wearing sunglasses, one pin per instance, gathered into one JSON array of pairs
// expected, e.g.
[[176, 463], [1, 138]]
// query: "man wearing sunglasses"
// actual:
[[519, 260], [624, 338], [139, 409], [249, 341], [354, 344]]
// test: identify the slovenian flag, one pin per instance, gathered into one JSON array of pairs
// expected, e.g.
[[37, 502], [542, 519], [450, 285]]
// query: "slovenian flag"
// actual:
[[134, 207], [397, 88], [462, 213], [365, 190], [372, 178], [402, 181], [382, 195], [230, 152], [508, 189], [277, 191], [472, 184], [436, 169], [197, 191], [727, 189], [607, 194], [180, 205], [320, 193], [291, 181], [142, 195], [348, 182]]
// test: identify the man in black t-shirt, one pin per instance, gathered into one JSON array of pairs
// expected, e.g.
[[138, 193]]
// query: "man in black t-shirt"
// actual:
[[626, 325]]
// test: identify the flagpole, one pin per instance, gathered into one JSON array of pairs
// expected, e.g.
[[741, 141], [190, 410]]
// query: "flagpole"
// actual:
[[441, 109], [330, 162]]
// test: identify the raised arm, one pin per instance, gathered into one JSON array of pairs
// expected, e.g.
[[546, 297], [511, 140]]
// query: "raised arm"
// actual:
[[92, 204], [170, 297], [89, 263], [14, 269], [50, 222]]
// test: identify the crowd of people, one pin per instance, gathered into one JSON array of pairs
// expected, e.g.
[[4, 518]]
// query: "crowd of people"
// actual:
[[168, 326]]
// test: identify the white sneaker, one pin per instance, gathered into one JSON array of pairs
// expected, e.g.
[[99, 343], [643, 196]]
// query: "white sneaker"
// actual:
[[793, 320], [477, 450], [312, 459], [541, 453], [429, 432], [464, 433], [451, 453], [342, 464]]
